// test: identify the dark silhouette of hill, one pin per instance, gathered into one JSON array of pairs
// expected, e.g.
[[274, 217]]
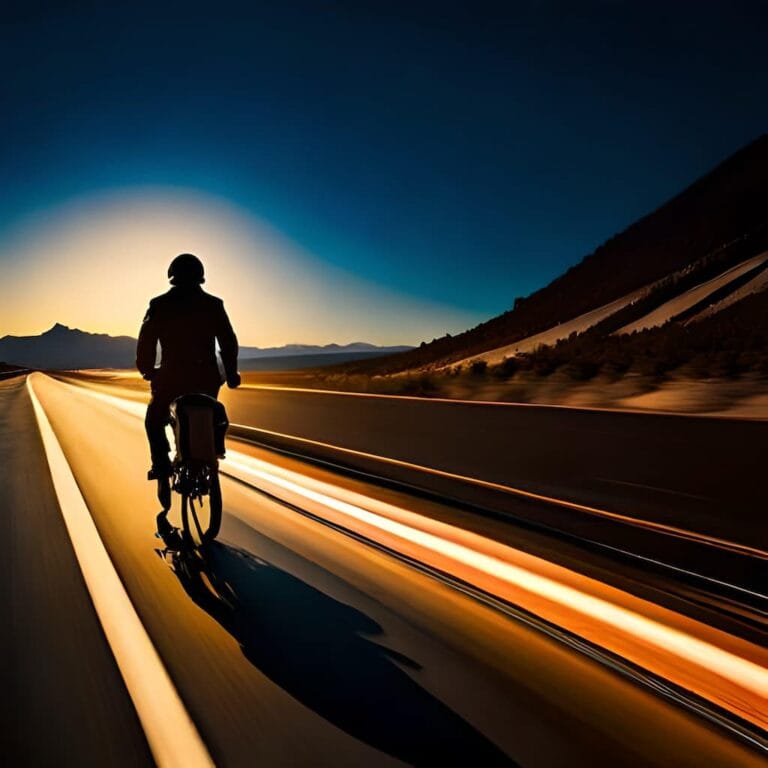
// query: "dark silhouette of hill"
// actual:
[[63, 347], [720, 219]]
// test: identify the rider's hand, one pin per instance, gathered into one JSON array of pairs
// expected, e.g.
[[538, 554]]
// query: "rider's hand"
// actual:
[[233, 382]]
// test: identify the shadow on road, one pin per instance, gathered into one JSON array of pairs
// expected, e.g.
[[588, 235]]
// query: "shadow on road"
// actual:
[[319, 651]]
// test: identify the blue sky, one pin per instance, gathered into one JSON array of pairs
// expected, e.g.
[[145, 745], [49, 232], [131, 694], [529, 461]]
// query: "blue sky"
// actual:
[[454, 154]]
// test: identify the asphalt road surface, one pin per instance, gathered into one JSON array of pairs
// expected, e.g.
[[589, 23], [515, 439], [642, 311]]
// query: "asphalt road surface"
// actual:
[[293, 642]]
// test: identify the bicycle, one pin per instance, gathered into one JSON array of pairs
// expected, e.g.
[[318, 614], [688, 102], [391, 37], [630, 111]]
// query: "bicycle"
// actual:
[[199, 424]]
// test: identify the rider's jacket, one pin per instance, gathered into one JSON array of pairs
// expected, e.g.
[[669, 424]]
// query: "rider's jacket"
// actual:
[[187, 322]]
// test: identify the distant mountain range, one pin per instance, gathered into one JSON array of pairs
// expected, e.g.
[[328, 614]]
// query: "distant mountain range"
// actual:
[[61, 347], [293, 350]]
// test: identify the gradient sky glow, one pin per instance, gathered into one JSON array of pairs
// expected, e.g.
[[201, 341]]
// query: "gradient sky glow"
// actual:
[[110, 250], [348, 170]]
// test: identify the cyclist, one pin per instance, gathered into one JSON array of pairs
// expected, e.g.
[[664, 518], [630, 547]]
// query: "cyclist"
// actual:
[[187, 322]]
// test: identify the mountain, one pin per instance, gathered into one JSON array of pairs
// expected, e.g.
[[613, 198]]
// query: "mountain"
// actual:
[[718, 223], [63, 347]]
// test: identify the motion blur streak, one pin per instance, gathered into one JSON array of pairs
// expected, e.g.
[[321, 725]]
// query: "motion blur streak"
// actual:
[[720, 668]]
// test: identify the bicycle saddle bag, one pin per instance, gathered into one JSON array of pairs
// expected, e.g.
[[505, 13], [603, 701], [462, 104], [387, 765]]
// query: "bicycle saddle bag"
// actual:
[[199, 424]]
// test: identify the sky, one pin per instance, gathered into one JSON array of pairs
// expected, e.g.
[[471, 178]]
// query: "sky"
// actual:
[[385, 172]]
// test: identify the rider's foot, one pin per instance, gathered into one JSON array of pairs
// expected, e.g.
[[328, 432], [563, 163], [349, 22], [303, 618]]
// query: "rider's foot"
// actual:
[[163, 524], [166, 531], [164, 492], [158, 472]]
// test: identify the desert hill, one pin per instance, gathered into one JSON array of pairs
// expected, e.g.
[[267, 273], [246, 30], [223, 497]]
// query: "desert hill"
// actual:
[[715, 227]]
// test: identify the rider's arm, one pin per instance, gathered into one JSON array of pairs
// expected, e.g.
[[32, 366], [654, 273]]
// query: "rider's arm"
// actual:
[[228, 346], [146, 348]]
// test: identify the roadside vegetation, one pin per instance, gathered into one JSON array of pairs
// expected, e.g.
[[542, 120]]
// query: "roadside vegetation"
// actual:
[[709, 365], [728, 344]]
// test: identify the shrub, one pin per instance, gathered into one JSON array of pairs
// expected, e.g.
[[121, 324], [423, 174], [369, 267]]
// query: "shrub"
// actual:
[[507, 369], [422, 385], [582, 370]]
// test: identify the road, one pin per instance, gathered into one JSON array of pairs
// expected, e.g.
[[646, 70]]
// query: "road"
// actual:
[[297, 643]]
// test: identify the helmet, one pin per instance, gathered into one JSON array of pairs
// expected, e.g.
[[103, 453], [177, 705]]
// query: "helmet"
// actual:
[[186, 269]]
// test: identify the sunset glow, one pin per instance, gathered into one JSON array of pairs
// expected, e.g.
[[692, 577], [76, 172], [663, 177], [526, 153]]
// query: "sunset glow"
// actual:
[[95, 262]]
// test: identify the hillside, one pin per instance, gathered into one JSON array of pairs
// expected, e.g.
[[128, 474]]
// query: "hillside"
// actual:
[[728, 343], [683, 296], [714, 224]]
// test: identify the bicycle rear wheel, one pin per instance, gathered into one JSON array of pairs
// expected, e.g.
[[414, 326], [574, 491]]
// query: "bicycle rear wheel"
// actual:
[[214, 522], [201, 518]]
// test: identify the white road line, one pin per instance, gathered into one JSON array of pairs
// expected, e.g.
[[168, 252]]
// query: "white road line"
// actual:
[[170, 732]]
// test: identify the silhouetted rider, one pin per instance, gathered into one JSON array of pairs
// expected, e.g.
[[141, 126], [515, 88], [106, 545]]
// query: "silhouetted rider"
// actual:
[[187, 322]]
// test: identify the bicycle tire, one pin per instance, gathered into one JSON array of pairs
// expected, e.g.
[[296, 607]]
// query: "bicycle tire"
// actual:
[[186, 530], [194, 533], [214, 499]]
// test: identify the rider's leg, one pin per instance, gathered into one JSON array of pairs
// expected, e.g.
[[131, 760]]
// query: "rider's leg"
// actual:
[[220, 420], [155, 422]]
